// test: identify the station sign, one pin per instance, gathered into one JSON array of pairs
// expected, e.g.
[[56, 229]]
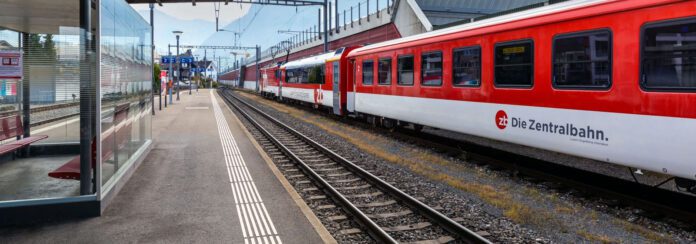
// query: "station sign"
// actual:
[[167, 59], [186, 60], [11, 64]]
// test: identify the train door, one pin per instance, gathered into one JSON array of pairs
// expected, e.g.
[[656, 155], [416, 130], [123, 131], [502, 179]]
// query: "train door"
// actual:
[[336, 87], [350, 87]]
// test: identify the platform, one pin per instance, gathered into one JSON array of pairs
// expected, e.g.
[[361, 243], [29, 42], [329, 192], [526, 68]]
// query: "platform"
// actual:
[[204, 180]]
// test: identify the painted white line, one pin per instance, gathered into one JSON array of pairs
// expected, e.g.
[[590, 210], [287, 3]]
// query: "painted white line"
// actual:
[[251, 211]]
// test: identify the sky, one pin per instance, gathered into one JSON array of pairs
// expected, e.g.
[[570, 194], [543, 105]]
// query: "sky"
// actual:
[[257, 24]]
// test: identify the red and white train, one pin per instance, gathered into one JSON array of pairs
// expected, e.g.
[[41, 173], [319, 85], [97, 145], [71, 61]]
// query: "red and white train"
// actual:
[[610, 80]]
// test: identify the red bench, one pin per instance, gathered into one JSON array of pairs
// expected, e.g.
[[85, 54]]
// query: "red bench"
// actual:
[[119, 132], [11, 128]]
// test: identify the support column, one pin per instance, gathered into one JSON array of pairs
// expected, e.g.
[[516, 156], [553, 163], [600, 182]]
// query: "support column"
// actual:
[[26, 119], [152, 58], [87, 98], [326, 27], [258, 71]]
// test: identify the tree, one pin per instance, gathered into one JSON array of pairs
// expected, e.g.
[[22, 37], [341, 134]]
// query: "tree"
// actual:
[[156, 78]]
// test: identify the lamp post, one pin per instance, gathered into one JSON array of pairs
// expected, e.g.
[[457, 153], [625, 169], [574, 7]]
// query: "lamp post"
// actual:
[[236, 34], [178, 67]]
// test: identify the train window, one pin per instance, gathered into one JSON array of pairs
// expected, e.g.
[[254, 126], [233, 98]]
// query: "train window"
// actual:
[[368, 72], [315, 75], [431, 69], [514, 64], [405, 70], [466, 66], [277, 74], [384, 71], [582, 60], [668, 55]]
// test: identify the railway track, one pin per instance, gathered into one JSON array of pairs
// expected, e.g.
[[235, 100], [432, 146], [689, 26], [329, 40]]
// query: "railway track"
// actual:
[[384, 212]]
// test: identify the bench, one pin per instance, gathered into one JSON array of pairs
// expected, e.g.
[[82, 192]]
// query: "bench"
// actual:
[[12, 127], [116, 137]]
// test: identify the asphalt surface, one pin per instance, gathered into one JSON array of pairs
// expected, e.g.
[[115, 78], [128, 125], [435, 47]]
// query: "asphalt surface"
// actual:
[[182, 191]]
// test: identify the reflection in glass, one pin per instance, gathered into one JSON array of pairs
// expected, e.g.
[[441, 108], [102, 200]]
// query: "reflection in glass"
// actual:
[[405, 69], [514, 64], [466, 63], [431, 69], [125, 85], [669, 55], [582, 60]]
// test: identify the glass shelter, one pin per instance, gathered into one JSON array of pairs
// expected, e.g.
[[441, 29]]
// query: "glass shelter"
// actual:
[[75, 105]]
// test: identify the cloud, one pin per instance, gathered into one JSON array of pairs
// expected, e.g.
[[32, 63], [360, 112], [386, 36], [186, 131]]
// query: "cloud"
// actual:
[[202, 11]]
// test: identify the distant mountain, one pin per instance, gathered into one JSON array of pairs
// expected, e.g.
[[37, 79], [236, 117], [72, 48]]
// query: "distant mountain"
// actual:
[[195, 31]]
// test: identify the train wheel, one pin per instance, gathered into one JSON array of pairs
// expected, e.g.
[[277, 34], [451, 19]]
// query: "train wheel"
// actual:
[[417, 127]]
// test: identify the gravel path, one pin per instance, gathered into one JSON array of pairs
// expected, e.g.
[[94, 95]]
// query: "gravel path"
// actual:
[[509, 209]]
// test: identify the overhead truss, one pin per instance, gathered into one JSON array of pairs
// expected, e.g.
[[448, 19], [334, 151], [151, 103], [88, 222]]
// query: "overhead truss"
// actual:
[[263, 2]]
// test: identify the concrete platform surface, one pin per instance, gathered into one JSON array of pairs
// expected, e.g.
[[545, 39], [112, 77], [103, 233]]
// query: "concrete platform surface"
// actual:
[[204, 181]]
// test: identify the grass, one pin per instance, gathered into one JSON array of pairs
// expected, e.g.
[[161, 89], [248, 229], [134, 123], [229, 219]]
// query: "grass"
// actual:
[[644, 232], [595, 238]]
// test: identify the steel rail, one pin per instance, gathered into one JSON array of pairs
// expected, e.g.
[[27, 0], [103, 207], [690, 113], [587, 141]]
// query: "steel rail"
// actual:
[[450, 225], [373, 229]]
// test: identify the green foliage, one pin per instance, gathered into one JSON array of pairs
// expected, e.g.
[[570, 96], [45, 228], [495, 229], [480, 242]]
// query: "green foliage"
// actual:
[[40, 48], [156, 81]]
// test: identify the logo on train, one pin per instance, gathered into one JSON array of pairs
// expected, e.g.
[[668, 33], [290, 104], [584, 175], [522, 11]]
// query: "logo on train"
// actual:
[[580, 133], [501, 119]]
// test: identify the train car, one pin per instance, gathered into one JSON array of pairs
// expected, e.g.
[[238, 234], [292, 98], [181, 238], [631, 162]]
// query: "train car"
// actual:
[[306, 80], [613, 81], [270, 81]]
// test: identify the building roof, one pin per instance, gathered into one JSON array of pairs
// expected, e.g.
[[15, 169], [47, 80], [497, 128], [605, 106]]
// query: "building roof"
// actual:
[[443, 12]]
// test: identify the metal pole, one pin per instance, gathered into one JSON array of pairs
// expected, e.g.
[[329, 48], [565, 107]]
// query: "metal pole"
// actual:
[[359, 14], [178, 68], [194, 74], [20, 83], [329, 20], [344, 19], [258, 71], [377, 8], [26, 118], [171, 74], [336, 15], [86, 98], [152, 56], [326, 27], [205, 63], [367, 8]]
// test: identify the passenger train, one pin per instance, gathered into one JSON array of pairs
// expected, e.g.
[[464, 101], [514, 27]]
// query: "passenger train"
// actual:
[[613, 81]]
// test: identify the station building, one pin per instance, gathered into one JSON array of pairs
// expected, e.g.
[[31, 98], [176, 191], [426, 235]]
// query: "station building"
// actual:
[[75, 105]]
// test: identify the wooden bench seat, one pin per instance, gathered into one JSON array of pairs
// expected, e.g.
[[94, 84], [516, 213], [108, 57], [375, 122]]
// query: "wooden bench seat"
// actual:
[[11, 127], [121, 129]]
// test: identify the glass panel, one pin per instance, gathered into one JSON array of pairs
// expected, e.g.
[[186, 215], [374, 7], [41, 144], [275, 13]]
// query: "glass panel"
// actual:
[[431, 69], [41, 62], [514, 64], [315, 74], [405, 69], [125, 85], [368, 72], [384, 71], [582, 60], [669, 55], [466, 67]]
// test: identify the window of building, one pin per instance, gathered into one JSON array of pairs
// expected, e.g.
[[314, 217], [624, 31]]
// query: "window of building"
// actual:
[[405, 70], [384, 71], [668, 55], [514, 64], [582, 60], [466, 66], [431, 69], [368, 72]]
